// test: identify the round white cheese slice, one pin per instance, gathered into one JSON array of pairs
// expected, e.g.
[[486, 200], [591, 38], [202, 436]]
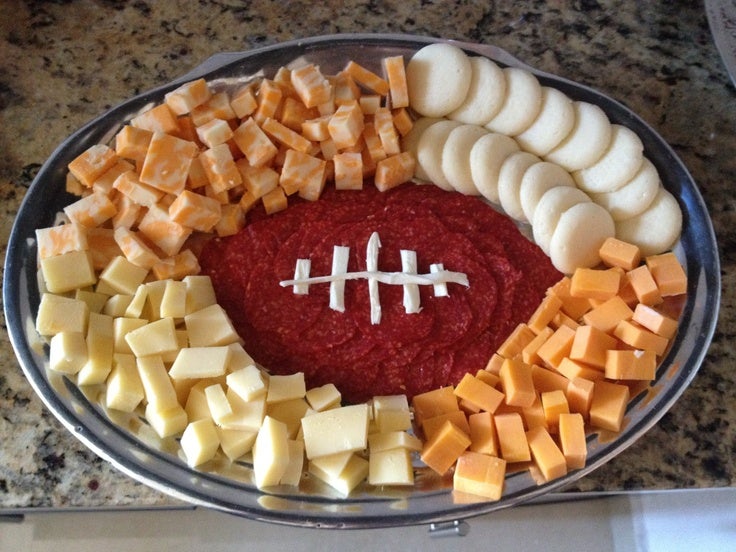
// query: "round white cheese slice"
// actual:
[[438, 78], [410, 142], [633, 197], [429, 152], [536, 180], [552, 204], [656, 229], [620, 162], [486, 93], [522, 104], [456, 157], [586, 142], [554, 122], [509, 182], [486, 158], [580, 232]]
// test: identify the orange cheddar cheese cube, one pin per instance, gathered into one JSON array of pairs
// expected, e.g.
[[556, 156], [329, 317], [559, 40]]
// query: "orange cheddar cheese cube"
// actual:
[[517, 382], [572, 369], [275, 200], [655, 321], [294, 113], [158, 119], [302, 170], [214, 132], [514, 344], [557, 347], [608, 406], [474, 390], [574, 307], [348, 171], [668, 273], [316, 129], [430, 426], [258, 180], [369, 103], [631, 365], [402, 121], [128, 212], [480, 474], [346, 125], [580, 395], [544, 313], [243, 102], [345, 90], [394, 170], [60, 239], [131, 142], [445, 447], [644, 286], [594, 284], [373, 144], [195, 211], [487, 377], [483, 436], [554, 403], [395, 71], [255, 144], [590, 345], [547, 455], [285, 135], [608, 314], [102, 246], [91, 210], [367, 78], [139, 193], [547, 379], [134, 248], [106, 181], [311, 85], [268, 100], [529, 352], [615, 252], [639, 337], [167, 162], [188, 96], [177, 267], [169, 236], [433, 403], [196, 178], [219, 166], [533, 415], [383, 122], [512, 439], [217, 107], [232, 220], [571, 433], [92, 163]]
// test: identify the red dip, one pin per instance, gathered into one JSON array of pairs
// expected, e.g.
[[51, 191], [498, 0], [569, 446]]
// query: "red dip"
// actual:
[[406, 353]]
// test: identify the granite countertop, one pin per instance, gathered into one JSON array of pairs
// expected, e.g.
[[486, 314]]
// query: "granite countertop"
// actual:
[[64, 62]]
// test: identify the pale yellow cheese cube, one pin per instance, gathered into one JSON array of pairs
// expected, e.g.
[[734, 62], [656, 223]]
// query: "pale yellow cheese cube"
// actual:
[[196, 405], [154, 338], [123, 276], [284, 388], [236, 442], [200, 362], [217, 403], [67, 352], [100, 348], [117, 305], [391, 413], [174, 299], [57, 313], [182, 338], [390, 467], [200, 442], [246, 415], [166, 422], [324, 397], [210, 326], [137, 303], [154, 296], [378, 442], [124, 390], [200, 293], [294, 470], [270, 453], [239, 358], [157, 386], [336, 430], [68, 271], [247, 382], [95, 301], [122, 327], [290, 412], [354, 473]]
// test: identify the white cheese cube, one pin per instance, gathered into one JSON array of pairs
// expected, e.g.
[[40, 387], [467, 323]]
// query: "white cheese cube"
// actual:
[[336, 430], [167, 422], [117, 305], [157, 386], [390, 467], [217, 403], [124, 389], [123, 276], [284, 388], [270, 453], [236, 442], [154, 338], [200, 293], [324, 397], [136, 305], [239, 358], [200, 442], [67, 352], [182, 339], [196, 405], [57, 313], [100, 348], [293, 473], [200, 362], [210, 326], [378, 442], [247, 382], [174, 300], [352, 475], [95, 301], [154, 296], [246, 415], [122, 327], [290, 412], [69, 271]]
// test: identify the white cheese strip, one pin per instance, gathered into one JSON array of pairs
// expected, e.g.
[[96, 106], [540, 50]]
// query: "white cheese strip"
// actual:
[[391, 278], [411, 291], [440, 288], [371, 263], [303, 266], [340, 256]]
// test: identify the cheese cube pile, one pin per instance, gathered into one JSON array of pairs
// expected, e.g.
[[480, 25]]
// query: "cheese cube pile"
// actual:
[[571, 369]]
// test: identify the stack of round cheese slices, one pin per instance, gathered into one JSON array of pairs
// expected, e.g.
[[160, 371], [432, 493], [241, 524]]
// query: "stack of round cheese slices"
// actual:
[[557, 164]]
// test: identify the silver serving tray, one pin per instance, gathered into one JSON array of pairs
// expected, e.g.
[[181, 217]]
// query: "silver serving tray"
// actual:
[[133, 448]]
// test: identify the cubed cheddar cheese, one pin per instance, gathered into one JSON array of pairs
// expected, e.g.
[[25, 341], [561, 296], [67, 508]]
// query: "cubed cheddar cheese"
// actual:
[[91, 210], [554, 403], [512, 439], [547, 455], [219, 166], [574, 307], [255, 144], [643, 284], [214, 132], [346, 125], [668, 273], [482, 434], [311, 85], [128, 211], [139, 193], [639, 337], [216, 107], [134, 248], [480, 474], [156, 225], [514, 344], [195, 211], [302, 171], [557, 347], [159, 119], [92, 163], [433, 403], [544, 313], [517, 382], [615, 252], [268, 100], [590, 345], [348, 171], [187, 96], [580, 395], [608, 405], [571, 433], [106, 180], [398, 93], [476, 391], [367, 78], [176, 267], [394, 170], [608, 314], [243, 102], [631, 365], [294, 113], [345, 89], [655, 321], [430, 426], [444, 448], [594, 284]]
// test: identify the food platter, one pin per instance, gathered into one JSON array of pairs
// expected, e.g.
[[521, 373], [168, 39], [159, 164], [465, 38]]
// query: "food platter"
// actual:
[[135, 450]]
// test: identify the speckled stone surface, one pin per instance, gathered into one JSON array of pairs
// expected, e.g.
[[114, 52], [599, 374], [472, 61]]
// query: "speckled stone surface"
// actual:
[[64, 62]]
